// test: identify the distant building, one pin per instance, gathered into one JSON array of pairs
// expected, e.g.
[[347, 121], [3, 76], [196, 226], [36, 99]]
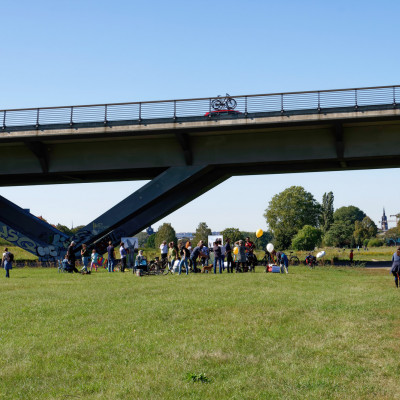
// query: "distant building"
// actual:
[[186, 235], [384, 222]]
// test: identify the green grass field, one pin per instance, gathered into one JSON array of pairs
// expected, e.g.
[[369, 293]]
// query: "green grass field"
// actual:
[[330, 333]]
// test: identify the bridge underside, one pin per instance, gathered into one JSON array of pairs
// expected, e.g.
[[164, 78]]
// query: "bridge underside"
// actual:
[[183, 160]]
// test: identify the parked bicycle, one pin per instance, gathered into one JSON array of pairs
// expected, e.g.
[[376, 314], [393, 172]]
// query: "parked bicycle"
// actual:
[[293, 259], [159, 267], [224, 103]]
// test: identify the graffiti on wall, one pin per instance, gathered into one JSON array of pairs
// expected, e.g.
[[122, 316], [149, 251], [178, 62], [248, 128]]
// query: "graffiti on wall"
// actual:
[[45, 251]]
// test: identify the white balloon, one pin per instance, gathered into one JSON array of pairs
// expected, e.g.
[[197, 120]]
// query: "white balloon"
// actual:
[[270, 247], [321, 254]]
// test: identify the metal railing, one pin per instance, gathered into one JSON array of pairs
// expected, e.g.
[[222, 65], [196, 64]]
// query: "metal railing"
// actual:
[[311, 101]]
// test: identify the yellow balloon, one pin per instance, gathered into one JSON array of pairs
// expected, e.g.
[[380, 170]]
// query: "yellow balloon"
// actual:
[[235, 250], [259, 233]]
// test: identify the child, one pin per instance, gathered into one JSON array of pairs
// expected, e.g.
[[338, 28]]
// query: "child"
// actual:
[[95, 260]]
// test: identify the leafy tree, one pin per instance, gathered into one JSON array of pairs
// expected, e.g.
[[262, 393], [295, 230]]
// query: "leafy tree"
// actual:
[[392, 233], [289, 211], [151, 241], [375, 242], [340, 234], [261, 242], [349, 213], [307, 238], [365, 229], [232, 233], [202, 233], [64, 229], [165, 232], [142, 238], [327, 211], [77, 229]]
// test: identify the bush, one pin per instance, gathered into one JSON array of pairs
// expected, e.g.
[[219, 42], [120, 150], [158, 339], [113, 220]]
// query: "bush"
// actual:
[[307, 238], [375, 243]]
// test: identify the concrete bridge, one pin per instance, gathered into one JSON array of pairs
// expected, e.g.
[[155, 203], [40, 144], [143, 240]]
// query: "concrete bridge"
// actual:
[[185, 148]]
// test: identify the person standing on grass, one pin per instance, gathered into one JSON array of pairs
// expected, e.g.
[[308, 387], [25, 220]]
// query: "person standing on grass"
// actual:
[[351, 256], [395, 270], [217, 255], [241, 256], [71, 255], [172, 254], [85, 253], [228, 252], [164, 251], [123, 253], [94, 260], [111, 256], [6, 262], [205, 257], [185, 254]]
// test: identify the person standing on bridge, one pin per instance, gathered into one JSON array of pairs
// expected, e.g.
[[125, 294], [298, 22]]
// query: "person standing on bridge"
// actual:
[[111, 256]]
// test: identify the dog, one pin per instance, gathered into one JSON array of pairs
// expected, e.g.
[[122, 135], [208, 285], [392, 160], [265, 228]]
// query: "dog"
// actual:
[[207, 268]]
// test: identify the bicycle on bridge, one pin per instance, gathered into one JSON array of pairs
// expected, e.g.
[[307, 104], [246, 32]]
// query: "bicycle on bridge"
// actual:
[[224, 103]]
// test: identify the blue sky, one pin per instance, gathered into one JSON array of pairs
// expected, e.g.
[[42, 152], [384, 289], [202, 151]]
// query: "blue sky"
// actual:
[[84, 52]]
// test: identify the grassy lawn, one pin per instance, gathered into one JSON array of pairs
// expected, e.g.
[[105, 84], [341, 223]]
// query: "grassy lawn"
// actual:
[[331, 333]]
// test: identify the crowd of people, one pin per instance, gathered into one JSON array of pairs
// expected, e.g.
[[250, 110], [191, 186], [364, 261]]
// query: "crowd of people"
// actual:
[[183, 255], [241, 259], [91, 260]]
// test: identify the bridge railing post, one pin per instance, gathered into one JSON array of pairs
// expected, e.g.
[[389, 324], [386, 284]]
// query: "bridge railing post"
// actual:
[[394, 96], [319, 102], [174, 109], [105, 114], [140, 112], [37, 118], [245, 106], [355, 98], [71, 120], [282, 109], [4, 120]]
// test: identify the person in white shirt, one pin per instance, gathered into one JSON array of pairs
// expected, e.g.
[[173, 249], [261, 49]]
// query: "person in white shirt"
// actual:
[[123, 253], [164, 250], [6, 262]]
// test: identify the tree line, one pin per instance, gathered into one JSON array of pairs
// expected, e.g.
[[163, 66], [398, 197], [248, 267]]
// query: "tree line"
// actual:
[[298, 221]]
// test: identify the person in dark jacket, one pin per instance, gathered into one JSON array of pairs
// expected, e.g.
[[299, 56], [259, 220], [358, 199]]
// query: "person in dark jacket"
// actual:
[[395, 270], [228, 252], [197, 252], [71, 255], [217, 255]]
